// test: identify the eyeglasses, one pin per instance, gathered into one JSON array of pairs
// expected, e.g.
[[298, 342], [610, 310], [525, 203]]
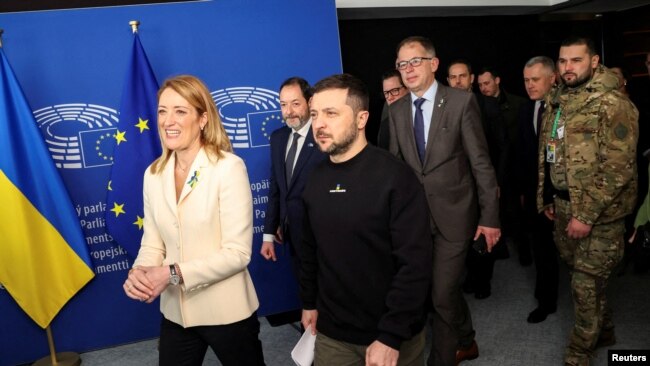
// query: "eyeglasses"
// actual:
[[415, 62], [394, 92]]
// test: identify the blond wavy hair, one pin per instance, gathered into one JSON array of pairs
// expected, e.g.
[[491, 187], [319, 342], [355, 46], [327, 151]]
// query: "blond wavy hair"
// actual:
[[213, 136]]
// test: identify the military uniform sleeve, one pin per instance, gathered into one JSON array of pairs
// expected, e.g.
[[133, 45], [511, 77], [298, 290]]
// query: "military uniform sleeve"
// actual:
[[616, 158]]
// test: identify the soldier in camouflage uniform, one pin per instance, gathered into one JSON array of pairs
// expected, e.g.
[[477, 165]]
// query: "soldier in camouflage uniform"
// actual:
[[587, 184]]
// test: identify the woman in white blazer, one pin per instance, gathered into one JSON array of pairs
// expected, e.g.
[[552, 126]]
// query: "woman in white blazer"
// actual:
[[198, 233]]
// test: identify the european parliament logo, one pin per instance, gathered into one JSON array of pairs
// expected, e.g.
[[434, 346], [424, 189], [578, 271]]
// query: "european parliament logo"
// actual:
[[82, 135], [249, 114], [78, 135]]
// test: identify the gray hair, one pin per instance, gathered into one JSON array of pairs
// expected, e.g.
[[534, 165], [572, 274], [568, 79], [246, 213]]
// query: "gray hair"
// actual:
[[545, 61], [423, 41]]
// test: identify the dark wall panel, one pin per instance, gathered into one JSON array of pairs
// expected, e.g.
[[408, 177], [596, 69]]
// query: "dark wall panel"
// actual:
[[503, 42]]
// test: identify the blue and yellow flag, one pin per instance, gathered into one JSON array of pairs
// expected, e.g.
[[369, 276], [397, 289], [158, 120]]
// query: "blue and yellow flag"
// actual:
[[136, 146], [44, 259]]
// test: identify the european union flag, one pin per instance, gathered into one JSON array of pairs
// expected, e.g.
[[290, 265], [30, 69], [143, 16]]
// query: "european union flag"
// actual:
[[136, 146], [97, 147], [261, 125], [44, 259]]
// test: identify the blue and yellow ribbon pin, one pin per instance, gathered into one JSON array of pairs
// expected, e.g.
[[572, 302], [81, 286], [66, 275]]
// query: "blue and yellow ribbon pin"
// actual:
[[194, 179]]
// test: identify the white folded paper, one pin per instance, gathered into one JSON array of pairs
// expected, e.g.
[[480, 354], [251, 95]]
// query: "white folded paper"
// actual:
[[303, 353]]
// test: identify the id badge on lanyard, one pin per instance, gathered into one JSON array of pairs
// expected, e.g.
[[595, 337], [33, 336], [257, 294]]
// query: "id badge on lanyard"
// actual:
[[551, 145], [550, 152]]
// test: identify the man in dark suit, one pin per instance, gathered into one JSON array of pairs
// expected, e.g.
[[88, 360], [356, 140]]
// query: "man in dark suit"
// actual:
[[480, 265], [393, 89], [539, 77], [508, 106], [293, 156], [460, 75], [437, 131]]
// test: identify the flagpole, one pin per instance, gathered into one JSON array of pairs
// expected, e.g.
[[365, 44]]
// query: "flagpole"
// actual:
[[134, 25], [57, 359], [63, 358]]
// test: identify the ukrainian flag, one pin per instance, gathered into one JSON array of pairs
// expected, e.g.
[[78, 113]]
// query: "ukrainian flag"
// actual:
[[136, 146], [44, 259]]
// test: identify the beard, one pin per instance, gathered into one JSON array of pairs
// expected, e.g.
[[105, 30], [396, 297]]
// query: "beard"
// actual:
[[295, 121], [578, 80], [341, 146]]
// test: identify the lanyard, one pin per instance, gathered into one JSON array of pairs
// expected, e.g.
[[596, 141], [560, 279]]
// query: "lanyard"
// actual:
[[557, 118]]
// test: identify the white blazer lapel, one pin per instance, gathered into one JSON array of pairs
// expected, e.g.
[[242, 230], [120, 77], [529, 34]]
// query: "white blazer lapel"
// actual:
[[194, 175], [168, 184]]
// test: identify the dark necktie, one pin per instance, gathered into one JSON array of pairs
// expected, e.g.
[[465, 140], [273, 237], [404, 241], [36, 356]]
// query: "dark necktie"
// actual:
[[418, 128], [291, 156], [540, 111]]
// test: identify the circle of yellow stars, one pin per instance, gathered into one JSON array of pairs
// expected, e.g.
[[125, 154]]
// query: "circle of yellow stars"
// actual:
[[268, 119], [98, 148]]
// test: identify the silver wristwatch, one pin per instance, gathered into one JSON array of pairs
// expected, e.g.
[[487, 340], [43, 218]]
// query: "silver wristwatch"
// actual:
[[174, 278]]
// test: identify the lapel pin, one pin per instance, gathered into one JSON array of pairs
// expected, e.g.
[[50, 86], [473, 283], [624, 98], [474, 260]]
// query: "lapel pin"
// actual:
[[195, 179]]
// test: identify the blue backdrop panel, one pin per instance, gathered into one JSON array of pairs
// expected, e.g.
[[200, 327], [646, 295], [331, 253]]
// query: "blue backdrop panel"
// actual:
[[71, 65]]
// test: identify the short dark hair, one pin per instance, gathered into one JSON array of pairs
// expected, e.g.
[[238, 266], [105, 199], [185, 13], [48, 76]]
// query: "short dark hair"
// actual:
[[460, 61], [423, 41], [392, 73], [545, 61], [305, 88], [357, 98], [580, 41], [491, 70]]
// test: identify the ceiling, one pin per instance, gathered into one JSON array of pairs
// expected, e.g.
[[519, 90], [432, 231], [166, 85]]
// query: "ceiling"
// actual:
[[371, 9]]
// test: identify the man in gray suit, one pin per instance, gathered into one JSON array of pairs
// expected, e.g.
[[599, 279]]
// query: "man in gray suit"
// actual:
[[437, 131]]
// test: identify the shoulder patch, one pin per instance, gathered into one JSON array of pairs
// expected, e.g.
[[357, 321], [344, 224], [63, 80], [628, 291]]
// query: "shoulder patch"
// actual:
[[620, 131]]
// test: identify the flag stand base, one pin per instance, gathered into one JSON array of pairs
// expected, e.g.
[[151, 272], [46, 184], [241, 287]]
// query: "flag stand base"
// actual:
[[62, 359], [57, 359]]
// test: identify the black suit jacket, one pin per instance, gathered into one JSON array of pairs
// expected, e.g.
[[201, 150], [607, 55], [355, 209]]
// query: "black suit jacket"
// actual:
[[285, 206], [526, 156]]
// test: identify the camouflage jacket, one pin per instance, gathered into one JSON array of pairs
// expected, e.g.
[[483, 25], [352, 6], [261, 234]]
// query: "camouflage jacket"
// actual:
[[598, 149]]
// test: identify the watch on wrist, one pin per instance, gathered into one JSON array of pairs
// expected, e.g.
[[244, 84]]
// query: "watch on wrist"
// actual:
[[174, 278]]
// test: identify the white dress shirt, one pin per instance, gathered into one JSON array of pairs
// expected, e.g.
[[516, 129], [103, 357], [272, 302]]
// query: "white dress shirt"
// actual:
[[427, 108]]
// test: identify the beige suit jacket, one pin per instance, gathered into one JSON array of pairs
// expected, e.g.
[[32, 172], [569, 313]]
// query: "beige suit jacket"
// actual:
[[457, 174], [209, 233]]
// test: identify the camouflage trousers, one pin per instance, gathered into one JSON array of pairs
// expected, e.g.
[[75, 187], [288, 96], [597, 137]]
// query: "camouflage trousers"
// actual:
[[591, 261]]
